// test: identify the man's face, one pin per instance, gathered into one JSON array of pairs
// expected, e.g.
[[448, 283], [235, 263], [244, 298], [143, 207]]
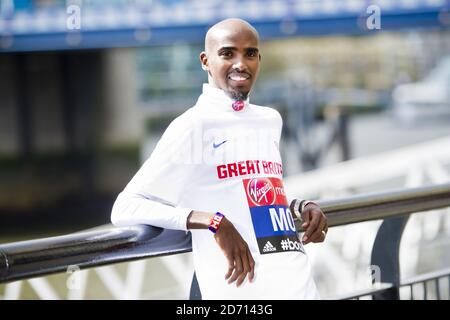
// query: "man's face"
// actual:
[[232, 60]]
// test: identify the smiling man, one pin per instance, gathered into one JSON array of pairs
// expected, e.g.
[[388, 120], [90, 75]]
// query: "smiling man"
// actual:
[[232, 57], [217, 172]]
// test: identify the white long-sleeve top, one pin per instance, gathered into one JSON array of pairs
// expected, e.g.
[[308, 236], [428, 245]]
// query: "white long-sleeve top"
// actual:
[[215, 159]]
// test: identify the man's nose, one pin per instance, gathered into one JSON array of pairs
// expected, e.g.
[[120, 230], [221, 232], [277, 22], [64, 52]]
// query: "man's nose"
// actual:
[[239, 65]]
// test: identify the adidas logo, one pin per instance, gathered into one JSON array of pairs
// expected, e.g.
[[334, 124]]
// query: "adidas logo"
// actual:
[[268, 247]]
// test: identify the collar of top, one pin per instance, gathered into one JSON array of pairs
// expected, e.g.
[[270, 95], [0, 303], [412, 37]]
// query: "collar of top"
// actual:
[[218, 98]]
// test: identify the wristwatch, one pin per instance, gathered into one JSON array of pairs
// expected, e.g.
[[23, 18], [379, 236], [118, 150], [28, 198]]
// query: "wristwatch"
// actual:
[[297, 207], [304, 203], [296, 213]]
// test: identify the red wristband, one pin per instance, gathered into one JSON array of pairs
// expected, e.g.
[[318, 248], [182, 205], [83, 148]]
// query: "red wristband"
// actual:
[[215, 222]]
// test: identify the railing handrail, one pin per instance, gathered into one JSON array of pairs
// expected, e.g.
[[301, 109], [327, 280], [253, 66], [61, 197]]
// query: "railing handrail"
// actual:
[[33, 258], [426, 277], [394, 203], [26, 259], [381, 287]]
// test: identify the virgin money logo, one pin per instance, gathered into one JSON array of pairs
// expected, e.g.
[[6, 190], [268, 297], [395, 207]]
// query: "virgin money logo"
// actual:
[[261, 192]]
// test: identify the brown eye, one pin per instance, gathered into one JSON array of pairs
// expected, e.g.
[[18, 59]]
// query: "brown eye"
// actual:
[[252, 53], [227, 53]]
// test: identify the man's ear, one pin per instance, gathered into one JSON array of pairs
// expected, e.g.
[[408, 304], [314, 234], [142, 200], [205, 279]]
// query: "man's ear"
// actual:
[[204, 61]]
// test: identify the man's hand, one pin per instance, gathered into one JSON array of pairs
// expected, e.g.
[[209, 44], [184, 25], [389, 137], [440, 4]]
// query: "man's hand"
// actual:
[[240, 260], [314, 223]]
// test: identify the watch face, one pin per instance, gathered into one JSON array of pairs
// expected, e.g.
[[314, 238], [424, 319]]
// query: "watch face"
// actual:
[[304, 204], [295, 209]]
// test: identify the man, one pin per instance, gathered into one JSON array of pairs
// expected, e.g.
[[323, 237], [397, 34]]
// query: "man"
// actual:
[[217, 172]]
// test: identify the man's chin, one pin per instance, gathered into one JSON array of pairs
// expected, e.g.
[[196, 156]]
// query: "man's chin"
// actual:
[[239, 94]]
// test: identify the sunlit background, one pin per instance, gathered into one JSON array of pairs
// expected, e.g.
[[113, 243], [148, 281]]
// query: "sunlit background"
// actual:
[[87, 88]]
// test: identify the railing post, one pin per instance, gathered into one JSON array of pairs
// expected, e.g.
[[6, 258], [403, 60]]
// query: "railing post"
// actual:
[[342, 133], [385, 255]]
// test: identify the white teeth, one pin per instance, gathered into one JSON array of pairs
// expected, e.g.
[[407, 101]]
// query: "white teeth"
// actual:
[[237, 78]]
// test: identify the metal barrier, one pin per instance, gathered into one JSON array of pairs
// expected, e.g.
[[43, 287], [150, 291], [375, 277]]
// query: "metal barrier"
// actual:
[[420, 282], [26, 259], [109, 245]]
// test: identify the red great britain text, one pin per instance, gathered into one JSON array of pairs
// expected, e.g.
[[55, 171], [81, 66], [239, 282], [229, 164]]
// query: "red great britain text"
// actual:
[[248, 167]]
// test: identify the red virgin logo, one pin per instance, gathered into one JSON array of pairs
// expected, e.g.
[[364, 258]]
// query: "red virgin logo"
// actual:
[[261, 191]]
